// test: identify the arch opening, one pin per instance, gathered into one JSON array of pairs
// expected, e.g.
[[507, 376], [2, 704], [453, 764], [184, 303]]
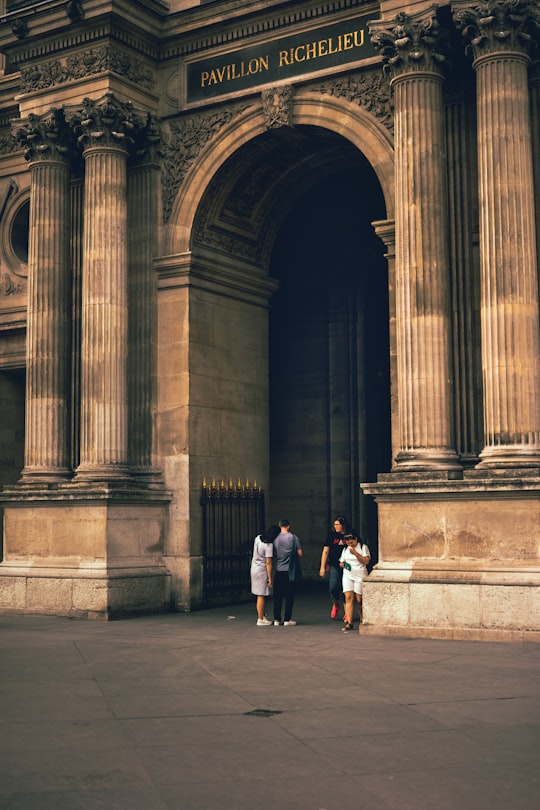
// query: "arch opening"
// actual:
[[329, 356], [310, 414]]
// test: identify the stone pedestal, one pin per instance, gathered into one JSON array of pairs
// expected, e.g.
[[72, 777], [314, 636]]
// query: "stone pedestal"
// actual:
[[86, 551], [457, 558]]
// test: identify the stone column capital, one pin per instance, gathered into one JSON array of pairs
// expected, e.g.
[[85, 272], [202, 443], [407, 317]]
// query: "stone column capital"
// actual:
[[146, 140], [44, 137], [106, 123], [411, 43], [498, 26]]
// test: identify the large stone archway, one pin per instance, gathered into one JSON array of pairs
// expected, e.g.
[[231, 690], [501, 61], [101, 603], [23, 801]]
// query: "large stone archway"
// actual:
[[215, 289]]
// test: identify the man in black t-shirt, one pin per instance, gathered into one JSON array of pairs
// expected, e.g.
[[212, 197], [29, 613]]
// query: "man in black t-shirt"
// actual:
[[333, 546]]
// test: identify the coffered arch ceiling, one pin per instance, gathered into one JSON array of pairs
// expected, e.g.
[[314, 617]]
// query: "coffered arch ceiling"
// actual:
[[250, 196]]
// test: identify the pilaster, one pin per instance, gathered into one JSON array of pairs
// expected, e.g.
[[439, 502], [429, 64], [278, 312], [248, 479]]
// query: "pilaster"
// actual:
[[143, 215], [386, 231]]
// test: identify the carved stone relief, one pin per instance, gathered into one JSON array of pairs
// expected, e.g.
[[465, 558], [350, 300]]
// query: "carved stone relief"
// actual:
[[369, 90], [8, 144], [277, 106], [499, 25], [10, 286], [411, 43], [183, 143], [87, 63]]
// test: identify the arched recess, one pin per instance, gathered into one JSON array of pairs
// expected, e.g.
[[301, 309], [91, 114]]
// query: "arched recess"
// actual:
[[345, 118], [215, 291]]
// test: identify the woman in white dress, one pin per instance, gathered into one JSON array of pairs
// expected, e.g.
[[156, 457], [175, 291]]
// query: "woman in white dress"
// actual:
[[261, 571]]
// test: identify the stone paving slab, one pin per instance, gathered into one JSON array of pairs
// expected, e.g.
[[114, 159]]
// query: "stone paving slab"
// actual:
[[206, 710]]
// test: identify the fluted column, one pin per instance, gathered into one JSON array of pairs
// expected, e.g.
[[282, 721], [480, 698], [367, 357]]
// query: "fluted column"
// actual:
[[143, 196], [500, 33], [464, 276], [535, 121], [104, 129], [47, 448], [412, 52]]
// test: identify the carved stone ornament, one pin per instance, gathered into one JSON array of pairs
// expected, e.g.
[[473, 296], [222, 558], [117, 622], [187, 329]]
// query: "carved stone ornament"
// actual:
[[277, 106], [147, 139], [411, 43], [499, 25], [10, 287], [87, 63], [19, 26], [74, 10], [183, 143], [8, 143], [106, 122], [370, 91], [45, 136]]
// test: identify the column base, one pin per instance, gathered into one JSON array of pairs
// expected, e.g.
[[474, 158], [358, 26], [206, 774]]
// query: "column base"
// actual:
[[510, 456], [45, 475], [425, 460], [457, 558], [85, 551], [102, 472]]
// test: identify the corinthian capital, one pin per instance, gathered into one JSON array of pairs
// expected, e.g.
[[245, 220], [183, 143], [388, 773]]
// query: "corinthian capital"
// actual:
[[498, 25], [44, 137], [104, 122], [411, 43]]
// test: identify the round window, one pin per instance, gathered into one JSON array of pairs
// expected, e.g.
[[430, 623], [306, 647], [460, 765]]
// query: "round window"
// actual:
[[20, 228]]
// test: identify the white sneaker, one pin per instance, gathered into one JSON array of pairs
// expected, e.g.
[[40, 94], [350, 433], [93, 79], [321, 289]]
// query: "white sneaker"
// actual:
[[263, 622], [276, 623], [289, 623]]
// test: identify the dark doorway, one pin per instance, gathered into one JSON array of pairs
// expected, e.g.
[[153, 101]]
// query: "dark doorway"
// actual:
[[329, 359], [12, 389]]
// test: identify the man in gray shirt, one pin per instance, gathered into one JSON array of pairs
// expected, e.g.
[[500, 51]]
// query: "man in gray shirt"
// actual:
[[286, 546]]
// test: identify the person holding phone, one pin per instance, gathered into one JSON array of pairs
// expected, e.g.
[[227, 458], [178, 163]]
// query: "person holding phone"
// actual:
[[353, 561]]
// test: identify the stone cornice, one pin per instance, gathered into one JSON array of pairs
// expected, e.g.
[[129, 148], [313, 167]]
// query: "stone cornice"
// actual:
[[498, 25], [69, 40], [182, 34], [411, 43]]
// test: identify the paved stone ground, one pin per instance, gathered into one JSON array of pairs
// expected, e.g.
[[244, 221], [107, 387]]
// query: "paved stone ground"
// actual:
[[207, 710]]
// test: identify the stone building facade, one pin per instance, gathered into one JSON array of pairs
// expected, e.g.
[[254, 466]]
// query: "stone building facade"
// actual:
[[291, 243]]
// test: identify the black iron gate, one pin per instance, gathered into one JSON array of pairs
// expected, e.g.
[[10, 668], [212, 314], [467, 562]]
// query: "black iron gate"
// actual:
[[232, 517]]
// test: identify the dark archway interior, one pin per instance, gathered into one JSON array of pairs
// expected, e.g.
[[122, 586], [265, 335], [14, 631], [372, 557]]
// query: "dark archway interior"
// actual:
[[329, 356], [298, 204]]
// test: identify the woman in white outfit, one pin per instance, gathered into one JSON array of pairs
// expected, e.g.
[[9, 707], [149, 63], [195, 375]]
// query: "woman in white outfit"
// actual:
[[353, 560], [261, 571]]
